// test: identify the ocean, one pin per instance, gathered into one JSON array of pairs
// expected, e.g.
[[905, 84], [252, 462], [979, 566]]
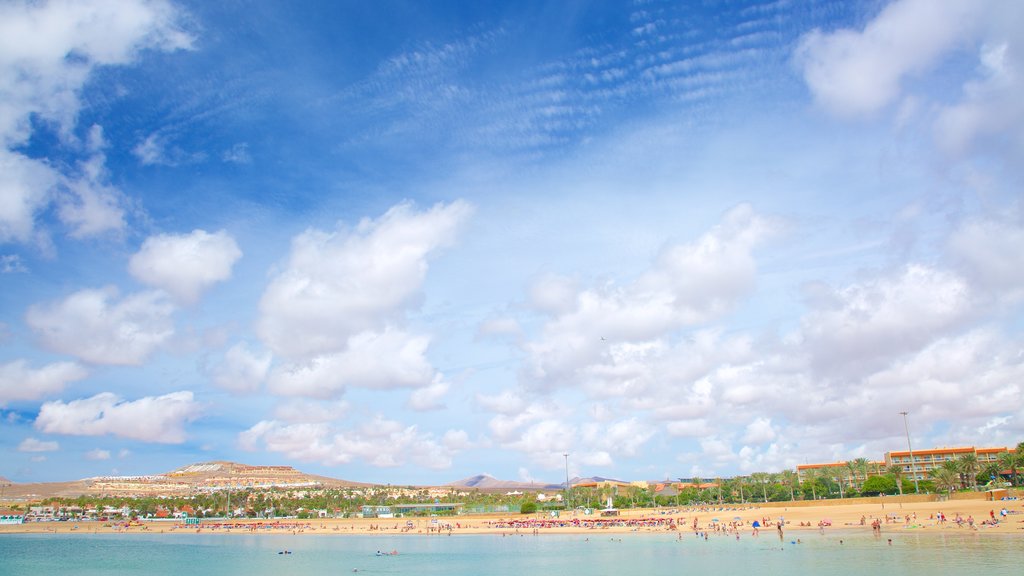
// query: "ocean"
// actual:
[[594, 554]]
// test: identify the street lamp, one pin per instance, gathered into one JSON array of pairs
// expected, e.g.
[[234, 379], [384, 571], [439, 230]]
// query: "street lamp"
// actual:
[[568, 504], [913, 472]]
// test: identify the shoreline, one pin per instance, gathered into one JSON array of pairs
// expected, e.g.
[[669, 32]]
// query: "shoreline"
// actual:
[[891, 517]]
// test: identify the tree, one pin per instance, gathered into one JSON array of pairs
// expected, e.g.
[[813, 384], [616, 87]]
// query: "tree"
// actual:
[[1009, 461], [861, 465], [879, 485], [851, 471], [528, 507], [790, 480], [968, 467], [945, 478], [896, 471], [811, 477]]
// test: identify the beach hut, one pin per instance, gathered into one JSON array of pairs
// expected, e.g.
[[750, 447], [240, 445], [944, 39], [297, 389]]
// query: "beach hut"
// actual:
[[996, 494]]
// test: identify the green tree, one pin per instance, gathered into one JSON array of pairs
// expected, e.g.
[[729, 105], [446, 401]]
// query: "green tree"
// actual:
[[896, 471], [811, 479], [968, 466], [1009, 461], [879, 485], [945, 478], [791, 481], [528, 507], [861, 467]]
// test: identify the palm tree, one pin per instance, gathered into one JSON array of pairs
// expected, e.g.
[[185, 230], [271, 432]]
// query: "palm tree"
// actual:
[[897, 472], [861, 465], [1009, 461], [811, 476], [945, 478], [968, 465], [790, 479], [851, 470]]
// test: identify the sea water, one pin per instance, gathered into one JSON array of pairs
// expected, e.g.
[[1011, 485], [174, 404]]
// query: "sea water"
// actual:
[[596, 554]]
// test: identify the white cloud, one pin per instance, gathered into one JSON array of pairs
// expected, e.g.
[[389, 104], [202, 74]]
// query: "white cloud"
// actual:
[[378, 442], [97, 454], [36, 445], [90, 206], [12, 264], [94, 326], [392, 359], [990, 114], [430, 397], [859, 72], [759, 431], [242, 370], [185, 265], [25, 189], [298, 411], [151, 419], [990, 251], [20, 382], [863, 324], [340, 284], [688, 284], [48, 51]]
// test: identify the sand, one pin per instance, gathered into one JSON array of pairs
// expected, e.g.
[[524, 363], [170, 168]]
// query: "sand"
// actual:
[[798, 517]]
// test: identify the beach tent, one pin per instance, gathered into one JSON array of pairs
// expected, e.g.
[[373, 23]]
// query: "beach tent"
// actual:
[[756, 524]]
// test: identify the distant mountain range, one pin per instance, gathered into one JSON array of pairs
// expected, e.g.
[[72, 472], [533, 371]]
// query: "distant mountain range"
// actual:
[[488, 482], [222, 475]]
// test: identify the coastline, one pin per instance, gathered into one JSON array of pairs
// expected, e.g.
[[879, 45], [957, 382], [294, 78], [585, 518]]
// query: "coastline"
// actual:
[[892, 517]]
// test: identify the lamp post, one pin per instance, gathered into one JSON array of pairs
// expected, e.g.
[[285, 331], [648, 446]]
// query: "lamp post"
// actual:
[[568, 504], [910, 450]]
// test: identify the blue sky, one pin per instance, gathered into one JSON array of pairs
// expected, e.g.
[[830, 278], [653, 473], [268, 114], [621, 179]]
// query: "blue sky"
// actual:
[[410, 242]]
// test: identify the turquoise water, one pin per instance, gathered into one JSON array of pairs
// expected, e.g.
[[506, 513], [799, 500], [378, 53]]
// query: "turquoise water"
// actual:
[[463, 555]]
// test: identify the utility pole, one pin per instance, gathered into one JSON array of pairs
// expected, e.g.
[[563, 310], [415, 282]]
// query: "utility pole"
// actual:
[[568, 504], [913, 472]]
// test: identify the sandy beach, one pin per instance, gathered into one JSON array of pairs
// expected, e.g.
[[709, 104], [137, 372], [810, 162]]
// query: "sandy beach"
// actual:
[[892, 516]]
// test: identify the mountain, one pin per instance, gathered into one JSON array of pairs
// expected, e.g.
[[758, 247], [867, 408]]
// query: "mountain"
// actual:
[[199, 477], [488, 482]]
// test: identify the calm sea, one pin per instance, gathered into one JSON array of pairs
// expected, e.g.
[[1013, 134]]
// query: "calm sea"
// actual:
[[463, 555]]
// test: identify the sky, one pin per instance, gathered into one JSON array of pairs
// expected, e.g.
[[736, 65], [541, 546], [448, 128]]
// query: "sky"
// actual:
[[410, 242]]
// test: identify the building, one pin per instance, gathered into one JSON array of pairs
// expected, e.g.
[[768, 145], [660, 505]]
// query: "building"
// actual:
[[927, 460]]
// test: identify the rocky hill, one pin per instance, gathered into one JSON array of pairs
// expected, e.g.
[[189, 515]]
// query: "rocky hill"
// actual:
[[200, 477]]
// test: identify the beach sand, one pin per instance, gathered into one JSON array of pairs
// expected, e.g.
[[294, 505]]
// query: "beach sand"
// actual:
[[798, 517]]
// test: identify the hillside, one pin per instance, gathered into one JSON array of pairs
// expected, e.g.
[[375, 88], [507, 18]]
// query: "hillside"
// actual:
[[199, 477]]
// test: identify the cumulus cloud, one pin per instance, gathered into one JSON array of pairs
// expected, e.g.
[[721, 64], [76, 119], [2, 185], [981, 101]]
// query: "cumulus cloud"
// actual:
[[864, 323], [159, 419], [18, 381], [989, 252], [48, 51], [97, 454], [392, 359], [337, 285], [242, 370], [36, 445], [688, 284], [185, 265], [379, 442], [99, 328], [430, 397], [89, 205], [853, 72]]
